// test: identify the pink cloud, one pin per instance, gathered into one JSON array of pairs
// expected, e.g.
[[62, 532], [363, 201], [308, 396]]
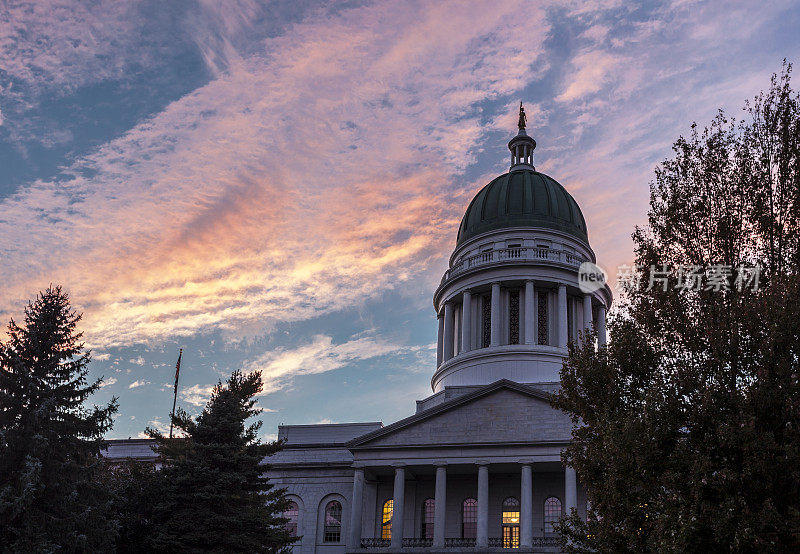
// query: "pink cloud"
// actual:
[[301, 179], [320, 170]]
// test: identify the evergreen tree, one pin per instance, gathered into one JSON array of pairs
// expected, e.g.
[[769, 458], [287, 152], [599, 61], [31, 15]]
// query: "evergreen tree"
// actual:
[[136, 488], [687, 427], [49, 441], [214, 495]]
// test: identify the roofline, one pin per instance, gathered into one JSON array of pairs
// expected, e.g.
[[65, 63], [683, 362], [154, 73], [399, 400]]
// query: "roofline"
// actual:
[[446, 406], [332, 424]]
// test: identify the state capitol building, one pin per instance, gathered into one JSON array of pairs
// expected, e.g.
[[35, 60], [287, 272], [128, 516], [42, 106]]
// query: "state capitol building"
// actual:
[[477, 466]]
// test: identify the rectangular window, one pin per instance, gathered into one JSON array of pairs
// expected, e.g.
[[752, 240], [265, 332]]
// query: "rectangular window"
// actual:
[[570, 319], [428, 511], [469, 519], [542, 319], [486, 309], [513, 316], [510, 536]]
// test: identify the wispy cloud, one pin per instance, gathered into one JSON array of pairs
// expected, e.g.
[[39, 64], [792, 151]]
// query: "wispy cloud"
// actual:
[[138, 383], [279, 367], [223, 212], [196, 395], [325, 157]]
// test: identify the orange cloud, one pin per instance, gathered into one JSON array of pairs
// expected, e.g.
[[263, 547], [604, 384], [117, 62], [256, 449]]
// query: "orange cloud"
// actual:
[[303, 179]]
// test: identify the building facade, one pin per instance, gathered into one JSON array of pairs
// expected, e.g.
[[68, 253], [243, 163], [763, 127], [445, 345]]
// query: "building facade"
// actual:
[[477, 467]]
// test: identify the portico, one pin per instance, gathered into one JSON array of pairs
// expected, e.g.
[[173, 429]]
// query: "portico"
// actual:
[[412, 487], [454, 481]]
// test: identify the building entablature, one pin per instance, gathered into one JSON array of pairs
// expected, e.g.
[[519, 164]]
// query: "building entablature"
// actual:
[[544, 276], [462, 459]]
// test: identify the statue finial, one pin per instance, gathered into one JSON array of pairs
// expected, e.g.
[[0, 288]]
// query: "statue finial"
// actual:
[[522, 117]]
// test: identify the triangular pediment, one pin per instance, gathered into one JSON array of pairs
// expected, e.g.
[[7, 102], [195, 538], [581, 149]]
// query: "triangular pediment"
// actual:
[[504, 412]]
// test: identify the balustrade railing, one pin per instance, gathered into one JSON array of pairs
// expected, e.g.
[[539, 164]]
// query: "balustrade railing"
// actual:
[[494, 542], [375, 543], [545, 541], [417, 542], [504, 254], [459, 543]]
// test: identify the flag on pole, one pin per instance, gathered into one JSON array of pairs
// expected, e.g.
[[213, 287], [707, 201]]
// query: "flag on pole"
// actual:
[[175, 394]]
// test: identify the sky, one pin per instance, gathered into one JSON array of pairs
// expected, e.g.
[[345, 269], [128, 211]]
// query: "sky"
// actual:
[[277, 186]]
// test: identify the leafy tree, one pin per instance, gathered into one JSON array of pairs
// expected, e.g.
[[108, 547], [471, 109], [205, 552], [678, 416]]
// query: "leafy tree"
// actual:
[[49, 442], [214, 495], [687, 427]]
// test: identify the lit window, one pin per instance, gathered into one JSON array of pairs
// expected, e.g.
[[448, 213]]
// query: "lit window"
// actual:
[[292, 513], [511, 523], [428, 516], [386, 520], [469, 519], [552, 513], [333, 522]]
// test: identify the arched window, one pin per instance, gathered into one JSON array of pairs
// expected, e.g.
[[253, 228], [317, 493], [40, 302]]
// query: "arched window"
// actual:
[[510, 522], [428, 509], [333, 522], [552, 513], [469, 519], [386, 520], [292, 513]]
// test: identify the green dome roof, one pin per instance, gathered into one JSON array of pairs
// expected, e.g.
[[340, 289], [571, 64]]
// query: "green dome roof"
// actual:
[[522, 198]]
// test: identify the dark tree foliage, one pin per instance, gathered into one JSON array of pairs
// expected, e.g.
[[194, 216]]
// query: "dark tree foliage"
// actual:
[[49, 441], [687, 433], [136, 488], [214, 496]]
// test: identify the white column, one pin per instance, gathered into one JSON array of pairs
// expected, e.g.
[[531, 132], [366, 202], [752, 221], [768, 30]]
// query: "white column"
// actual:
[[466, 326], [495, 340], [440, 506], [570, 490], [587, 313], [562, 316], [398, 506], [448, 332], [530, 314], [526, 507], [602, 340], [483, 505], [355, 512], [439, 344]]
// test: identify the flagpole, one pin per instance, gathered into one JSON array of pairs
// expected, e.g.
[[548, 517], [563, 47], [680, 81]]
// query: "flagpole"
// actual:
[[175, 394]]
